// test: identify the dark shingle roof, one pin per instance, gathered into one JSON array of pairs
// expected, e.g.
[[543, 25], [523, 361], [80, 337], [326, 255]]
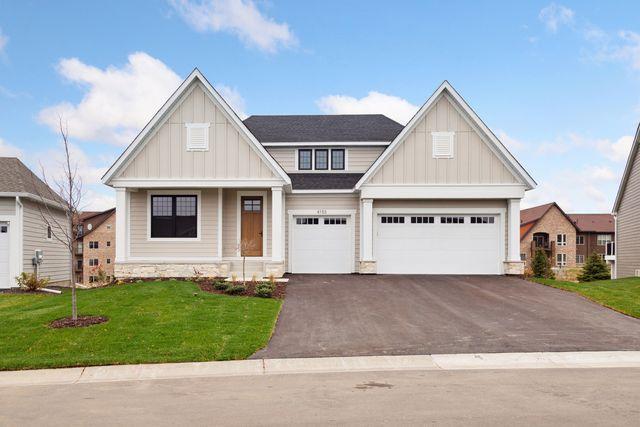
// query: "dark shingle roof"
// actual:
[[323, 128], [324, 181], [15, 177], [594, 223]]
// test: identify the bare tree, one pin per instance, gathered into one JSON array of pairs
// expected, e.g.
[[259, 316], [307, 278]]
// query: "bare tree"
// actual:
[[66, 193], [244, 246]]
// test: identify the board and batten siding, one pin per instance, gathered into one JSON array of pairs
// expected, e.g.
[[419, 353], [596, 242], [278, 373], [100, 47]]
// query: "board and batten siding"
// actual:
[[230, 221], [140, 246], [165, 155], [628, 225], [7, 206], [359, 159], [412, 161], [323, 201], [56, 263]]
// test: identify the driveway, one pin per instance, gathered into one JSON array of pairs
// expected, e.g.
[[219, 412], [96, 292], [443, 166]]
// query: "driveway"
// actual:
[[353, 315]]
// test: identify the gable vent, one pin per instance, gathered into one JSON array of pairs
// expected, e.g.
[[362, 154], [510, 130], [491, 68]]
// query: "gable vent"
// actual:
[[442, 145], [197, 136]]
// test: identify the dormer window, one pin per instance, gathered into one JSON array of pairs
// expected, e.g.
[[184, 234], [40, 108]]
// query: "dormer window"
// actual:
[[442, 144], [322, 159], [304, 159], [337, 159], [197, 136]]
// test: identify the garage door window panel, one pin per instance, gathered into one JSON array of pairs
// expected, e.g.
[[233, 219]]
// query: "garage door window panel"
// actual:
[[452, 220], [422, 220]]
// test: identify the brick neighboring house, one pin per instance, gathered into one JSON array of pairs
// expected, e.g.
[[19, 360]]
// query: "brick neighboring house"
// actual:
[[594, 232], [549, 228], [96, 246]]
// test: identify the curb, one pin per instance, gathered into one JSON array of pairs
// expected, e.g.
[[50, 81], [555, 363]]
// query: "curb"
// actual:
[[435, 362]]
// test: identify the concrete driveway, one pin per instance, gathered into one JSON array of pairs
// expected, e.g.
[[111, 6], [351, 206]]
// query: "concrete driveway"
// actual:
[[352, 315]]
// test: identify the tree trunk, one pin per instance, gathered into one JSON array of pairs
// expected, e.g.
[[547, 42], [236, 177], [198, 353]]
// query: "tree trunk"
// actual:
[[74, 306]]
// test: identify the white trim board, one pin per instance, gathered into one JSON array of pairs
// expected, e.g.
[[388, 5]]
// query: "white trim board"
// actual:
[[451, 191], [327, 144], [191, 183], [265, 213]]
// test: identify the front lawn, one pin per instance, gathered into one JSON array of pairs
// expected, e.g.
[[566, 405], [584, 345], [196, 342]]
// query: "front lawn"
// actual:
[[153, 322], [620, 294]]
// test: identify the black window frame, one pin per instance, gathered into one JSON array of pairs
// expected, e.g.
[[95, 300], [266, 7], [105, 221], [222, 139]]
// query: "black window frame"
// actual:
[[172, 223], [315, 159], [344, 163], [305, 150]]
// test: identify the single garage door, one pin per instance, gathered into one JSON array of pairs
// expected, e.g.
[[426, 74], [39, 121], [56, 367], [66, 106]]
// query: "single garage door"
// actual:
[[438, 244], [321, 244], [4, 255]]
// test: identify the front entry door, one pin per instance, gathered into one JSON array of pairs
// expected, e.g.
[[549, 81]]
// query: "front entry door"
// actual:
[[251, 226]]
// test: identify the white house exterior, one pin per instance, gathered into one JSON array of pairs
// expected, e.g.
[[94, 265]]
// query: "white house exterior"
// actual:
[[315, 194]]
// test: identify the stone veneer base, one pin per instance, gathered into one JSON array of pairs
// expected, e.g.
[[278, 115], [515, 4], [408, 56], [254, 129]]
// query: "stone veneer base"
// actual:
[[514, 268], [367, 267], [165, 271]]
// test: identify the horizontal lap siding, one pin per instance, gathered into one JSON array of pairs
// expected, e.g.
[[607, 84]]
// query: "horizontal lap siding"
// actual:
[[628, 223], [7, 205]]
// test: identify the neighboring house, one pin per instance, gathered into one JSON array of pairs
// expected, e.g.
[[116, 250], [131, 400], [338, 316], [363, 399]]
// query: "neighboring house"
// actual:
[[24, 199], [199, 188], [627, 213], [95, 246], [595, 232], [548, 228]]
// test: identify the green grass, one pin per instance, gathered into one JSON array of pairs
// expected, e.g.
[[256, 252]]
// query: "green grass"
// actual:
[[621, 294], [151, 322]]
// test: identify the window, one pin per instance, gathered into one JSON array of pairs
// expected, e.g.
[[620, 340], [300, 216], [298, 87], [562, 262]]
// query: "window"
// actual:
[[3, 229], [93, 245], [108, 260], [93, 262], [92, 279], [442, 144], [49, 232], [79, 264], [580, 259], [108, 226], [307, 221], [108, 243], [80, 230], [335, 221], [392, 219], [251, 205], [579, 239], [304, 160], [482, 220], [451, 220], [197, 136], [561, 240], [79, 248], [174, 216], [561, 260], [523, 257], [322, 159], [337, 159], [603, 239], [422, 220]]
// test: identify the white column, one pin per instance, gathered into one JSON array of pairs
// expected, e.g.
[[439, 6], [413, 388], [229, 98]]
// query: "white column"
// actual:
[[276, 224], [366, 230], [122, 215], [514, 230], [219, 222]]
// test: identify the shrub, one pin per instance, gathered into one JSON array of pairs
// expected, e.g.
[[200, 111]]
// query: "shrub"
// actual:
[[221, 285], [540, 266], [594, 269], [30, 282], [264, 290], [236, 289]]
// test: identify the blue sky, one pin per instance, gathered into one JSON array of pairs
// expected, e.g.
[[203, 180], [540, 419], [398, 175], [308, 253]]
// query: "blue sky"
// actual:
[[557, 82]]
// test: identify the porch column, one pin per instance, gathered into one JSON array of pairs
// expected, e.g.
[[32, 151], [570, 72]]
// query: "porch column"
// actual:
[[366, 231], [219, 237], [514, 230], [277, 237], [122, 215]]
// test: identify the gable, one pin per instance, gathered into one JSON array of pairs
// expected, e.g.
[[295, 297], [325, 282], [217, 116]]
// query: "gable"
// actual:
[[160, 151], [478, 157], [629, 190], [553, 221]]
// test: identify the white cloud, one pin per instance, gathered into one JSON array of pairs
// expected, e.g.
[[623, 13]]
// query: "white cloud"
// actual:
[[391, 106], [117, 102], [623, 46], [8, 150], [556, 15], [239, 17], [510, 142], [234, 99], [4, 40], [616, 151]]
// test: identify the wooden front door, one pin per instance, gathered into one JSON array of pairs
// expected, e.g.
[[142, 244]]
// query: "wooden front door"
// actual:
[[251, 226]]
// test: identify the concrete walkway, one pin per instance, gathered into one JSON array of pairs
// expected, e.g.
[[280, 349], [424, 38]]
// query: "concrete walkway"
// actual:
[[260, 367]]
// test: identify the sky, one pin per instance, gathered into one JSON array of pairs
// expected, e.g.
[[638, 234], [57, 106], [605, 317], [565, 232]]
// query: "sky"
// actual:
[[558, 83]]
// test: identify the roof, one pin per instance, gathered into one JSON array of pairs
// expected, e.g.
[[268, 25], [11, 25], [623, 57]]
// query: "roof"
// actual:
[[16, 178], [594, 223], [529, 217], [95, 218], [627, 170], [324, 181], [323, 128]]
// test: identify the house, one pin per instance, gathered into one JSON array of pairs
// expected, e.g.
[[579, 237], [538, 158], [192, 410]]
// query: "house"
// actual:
[[199, 189], [626, 210], [594, 233], [548, 228], [95, 247], [31, 217]]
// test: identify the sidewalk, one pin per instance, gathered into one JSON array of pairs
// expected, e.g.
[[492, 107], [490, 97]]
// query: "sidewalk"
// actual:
[[96, 374]]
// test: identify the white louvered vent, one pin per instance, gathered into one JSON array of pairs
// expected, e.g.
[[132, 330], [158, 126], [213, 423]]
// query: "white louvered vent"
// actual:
[[197, 136], [442, 145]]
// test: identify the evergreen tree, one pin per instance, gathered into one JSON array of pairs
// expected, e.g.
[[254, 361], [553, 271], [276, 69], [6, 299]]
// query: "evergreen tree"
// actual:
[[540, 266], [594, 269]]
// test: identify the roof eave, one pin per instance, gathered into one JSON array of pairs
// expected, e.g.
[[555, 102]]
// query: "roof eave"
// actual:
[[627, 170]]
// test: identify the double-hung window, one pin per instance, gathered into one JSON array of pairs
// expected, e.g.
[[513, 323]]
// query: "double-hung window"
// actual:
[[580, 239], [561, 240], [304, 159], [174, 216], [561, 260], [322, 159], [337, 159]]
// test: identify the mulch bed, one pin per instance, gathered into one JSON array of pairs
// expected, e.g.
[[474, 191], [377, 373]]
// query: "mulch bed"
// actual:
[[278, 293], [68, 322]]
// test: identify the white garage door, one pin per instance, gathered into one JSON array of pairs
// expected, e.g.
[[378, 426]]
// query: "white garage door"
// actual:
[[438, 244], [321, 244], [4, 255]]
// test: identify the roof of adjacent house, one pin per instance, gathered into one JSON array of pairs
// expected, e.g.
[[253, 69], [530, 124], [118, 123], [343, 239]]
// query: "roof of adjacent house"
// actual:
[[530, 216], [323, 128], [594, 223], [324, 181], [16, 178], [95, 218]]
